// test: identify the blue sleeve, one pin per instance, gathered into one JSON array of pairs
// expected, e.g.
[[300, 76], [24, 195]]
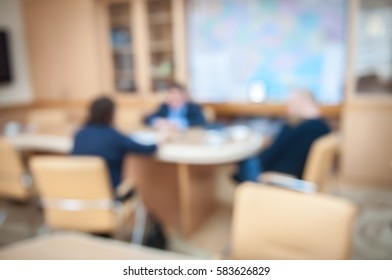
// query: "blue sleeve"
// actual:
[[160, 113], [128, 145]]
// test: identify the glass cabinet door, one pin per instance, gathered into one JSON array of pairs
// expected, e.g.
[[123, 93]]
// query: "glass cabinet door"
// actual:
[[161, 43], [121, 46], [373, 66]]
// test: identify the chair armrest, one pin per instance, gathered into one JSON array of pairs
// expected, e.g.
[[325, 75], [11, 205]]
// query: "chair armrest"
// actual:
[[288, 182], [271, 175], [126, 186]]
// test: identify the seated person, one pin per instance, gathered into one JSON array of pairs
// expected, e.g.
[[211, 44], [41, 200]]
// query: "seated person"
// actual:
[[99, 138], [178, 112], [288, 153]]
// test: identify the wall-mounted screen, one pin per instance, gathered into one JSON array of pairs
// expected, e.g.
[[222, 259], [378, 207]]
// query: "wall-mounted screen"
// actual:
[[5, 60], [277, 45]]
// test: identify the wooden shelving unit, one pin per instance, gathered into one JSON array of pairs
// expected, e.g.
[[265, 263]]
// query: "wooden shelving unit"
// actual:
[[153, 51], [161, 46], [121, 39]]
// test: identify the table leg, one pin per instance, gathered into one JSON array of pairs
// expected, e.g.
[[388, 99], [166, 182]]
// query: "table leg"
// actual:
[[178, 195], [196, 195]]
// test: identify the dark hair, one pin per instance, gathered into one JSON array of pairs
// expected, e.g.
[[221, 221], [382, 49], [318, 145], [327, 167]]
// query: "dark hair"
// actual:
[[101, 111], [177, 86]]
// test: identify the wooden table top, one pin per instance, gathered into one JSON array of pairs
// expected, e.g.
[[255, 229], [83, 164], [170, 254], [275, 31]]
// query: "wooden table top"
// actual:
[[80, 246], [195, 146]]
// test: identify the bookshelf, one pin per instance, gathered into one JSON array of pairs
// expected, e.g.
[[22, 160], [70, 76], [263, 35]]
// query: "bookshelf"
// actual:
[[161, 47], [121, 40], [145, 45]]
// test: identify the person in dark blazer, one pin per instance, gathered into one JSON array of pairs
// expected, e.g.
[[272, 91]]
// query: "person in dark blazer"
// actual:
[[98, 138], [177, 112], [289, 151]]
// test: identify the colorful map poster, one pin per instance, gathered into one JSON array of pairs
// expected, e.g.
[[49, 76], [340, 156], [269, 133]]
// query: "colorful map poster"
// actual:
[[283, 44]]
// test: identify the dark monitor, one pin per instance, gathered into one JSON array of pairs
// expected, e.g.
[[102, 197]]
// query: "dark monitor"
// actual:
[[5, 59]]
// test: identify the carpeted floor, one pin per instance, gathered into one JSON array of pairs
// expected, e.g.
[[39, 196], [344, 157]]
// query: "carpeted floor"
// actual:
[[372, 237], [373, 232]]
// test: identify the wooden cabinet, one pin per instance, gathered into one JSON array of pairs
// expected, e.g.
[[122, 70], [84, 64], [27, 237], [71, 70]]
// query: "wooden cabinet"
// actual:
[[142, 44], [160, 29], [367, 118], [79, 49], [121, 42]]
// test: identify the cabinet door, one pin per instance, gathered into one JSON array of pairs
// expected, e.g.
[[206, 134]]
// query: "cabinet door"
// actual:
[[61, 39], [142, 44], [160, 29], [372, 48], [121, 46]]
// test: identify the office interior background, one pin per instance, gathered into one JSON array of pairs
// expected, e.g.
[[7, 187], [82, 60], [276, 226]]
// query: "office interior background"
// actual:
[[240, 60]]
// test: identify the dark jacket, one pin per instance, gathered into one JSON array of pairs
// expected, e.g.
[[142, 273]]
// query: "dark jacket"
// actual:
[[289, 151], [194, 114], [112, 146]]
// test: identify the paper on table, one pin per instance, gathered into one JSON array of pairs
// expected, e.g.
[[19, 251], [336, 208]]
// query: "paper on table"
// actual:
[[145, 137]]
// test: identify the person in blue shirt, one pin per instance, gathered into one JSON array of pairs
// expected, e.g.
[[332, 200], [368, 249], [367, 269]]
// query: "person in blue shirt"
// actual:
[[288, 152], [177, 112], [99, 138]]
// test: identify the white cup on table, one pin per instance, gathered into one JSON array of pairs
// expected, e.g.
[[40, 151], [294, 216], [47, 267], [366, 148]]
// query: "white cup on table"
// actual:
[[12, 128]]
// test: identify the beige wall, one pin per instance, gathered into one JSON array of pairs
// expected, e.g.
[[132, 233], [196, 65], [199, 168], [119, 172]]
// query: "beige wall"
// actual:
[[19, 91]]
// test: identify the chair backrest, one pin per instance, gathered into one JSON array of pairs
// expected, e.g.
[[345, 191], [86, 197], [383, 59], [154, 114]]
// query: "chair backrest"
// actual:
[[274, 223], [320, 160], [48, 117], [14, 180], [127, 119], [75, 192]]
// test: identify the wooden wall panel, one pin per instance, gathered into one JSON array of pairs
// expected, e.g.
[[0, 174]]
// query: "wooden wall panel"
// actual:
[[367, 145], [63, 48], [180, 41]]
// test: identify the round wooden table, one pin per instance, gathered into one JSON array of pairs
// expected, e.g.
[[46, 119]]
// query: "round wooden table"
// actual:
[[178, 183]]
